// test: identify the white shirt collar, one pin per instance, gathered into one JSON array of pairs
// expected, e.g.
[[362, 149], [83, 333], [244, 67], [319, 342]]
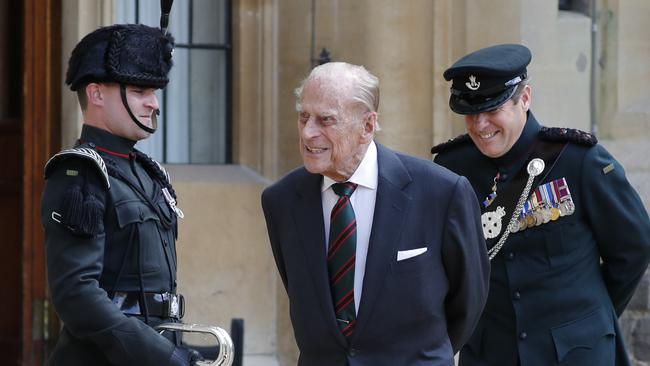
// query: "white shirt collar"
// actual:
[[366, 174]]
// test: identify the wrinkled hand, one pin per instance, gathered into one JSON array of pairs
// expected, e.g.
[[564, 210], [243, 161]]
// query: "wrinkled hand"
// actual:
[[184, 356]]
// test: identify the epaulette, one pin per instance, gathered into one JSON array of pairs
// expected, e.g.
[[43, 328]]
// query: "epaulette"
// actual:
[[456, 141], [79, 152], [560, 134], [80, 209]]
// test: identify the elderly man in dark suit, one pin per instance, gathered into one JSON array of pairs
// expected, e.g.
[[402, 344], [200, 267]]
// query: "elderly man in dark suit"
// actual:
[[381, 254]]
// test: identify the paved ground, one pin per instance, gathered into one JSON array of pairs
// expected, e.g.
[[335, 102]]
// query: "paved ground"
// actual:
[[258, 360]]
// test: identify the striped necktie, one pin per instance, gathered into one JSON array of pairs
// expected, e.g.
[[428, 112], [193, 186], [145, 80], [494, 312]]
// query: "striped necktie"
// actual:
[[341, 255]]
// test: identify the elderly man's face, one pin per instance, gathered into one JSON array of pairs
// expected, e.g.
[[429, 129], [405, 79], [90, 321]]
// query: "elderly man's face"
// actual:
[[334, 130], [495, 132]]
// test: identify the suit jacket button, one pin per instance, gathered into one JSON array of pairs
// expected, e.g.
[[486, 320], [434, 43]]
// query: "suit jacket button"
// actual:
[[523, 335], [516, 295], [511, 256], [352, 352]]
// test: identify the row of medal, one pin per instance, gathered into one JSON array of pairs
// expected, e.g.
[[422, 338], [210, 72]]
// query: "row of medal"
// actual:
[[548, 202]]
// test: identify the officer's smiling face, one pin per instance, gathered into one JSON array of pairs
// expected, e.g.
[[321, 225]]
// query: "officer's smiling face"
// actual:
[[334, 130], [143, 103], [495, 132]]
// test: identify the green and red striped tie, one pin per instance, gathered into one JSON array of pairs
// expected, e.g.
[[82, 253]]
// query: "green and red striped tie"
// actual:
[[341, 255]]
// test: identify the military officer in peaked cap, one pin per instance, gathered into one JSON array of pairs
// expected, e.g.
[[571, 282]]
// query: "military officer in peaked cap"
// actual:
[[567, 235], [109, 211]]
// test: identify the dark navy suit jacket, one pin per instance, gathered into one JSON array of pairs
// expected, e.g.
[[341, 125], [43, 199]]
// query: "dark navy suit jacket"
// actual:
[[418, 311]]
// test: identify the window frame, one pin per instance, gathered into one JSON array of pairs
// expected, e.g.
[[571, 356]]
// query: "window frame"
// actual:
[[227, 47]]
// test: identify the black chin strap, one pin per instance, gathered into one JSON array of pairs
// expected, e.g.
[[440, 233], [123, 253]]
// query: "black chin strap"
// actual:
[[154, 120]]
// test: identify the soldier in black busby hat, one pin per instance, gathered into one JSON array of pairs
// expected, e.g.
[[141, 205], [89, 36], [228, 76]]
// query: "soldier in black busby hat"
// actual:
[[109, 211], [567, 235]]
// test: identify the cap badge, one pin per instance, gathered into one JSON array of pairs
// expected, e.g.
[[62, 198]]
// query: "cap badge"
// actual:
[[472, 84]]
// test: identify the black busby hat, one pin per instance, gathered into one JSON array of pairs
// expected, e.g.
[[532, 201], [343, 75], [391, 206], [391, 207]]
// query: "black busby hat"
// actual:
[[132, 54], [485, 79]]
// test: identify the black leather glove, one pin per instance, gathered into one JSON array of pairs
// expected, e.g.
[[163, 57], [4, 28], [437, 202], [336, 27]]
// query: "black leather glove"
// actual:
[[184, 356], [195, 356]]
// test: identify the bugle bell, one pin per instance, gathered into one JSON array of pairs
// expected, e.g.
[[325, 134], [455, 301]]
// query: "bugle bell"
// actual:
[[226, 349]]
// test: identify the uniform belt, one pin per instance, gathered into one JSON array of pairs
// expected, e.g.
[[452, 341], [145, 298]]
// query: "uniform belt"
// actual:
[[162, 305]]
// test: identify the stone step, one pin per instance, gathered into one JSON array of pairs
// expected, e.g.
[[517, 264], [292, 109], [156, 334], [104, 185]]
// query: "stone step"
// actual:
[[260, 360]]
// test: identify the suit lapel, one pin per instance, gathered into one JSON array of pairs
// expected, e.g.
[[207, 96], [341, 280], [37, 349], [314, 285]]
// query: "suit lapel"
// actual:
[[388, 221], [308, 217]]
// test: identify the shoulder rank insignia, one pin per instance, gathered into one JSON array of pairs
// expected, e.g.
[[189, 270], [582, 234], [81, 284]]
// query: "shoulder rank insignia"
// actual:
[[81, 152], [573, 135], [608, 168], [456, 141]]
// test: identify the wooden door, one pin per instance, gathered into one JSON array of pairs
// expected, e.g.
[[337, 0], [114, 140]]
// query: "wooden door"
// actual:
[[10, 217], [10, 180], [40, 136]]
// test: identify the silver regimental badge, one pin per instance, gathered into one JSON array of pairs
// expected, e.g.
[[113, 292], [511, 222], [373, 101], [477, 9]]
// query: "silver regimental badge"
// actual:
[[172, 203], [492, 222], [173, 306], [472, 84], [535, 167]]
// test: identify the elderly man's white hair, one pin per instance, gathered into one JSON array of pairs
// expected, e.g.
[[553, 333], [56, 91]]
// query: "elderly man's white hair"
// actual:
[[363, 85]]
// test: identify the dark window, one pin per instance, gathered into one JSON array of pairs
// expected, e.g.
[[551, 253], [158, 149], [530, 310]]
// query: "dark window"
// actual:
[[580, 6], [10, 61]]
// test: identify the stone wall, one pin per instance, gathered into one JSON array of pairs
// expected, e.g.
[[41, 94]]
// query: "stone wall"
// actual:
[[623, 114], [635, 324], [623, 54], [632, 153], [408, 45]]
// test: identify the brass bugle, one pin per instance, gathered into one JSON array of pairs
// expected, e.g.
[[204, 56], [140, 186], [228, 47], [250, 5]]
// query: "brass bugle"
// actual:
[[226, 348]]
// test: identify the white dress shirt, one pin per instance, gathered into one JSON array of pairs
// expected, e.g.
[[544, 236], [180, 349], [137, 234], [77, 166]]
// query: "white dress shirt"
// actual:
[[363, 202]]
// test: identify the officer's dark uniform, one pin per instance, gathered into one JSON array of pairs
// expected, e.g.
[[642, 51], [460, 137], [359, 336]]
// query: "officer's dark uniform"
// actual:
[[111, 223], [558, 285]]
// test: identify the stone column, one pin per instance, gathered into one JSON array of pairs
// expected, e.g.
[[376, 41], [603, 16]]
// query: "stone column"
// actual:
[[396, 45], [393, 40], [80, 18]]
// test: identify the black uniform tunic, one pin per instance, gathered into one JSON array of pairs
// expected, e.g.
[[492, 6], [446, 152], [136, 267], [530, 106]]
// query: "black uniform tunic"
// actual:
[[557, 289], [102, 240]]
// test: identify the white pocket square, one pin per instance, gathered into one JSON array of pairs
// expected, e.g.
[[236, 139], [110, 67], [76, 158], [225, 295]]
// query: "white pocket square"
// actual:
[[406, 254]]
